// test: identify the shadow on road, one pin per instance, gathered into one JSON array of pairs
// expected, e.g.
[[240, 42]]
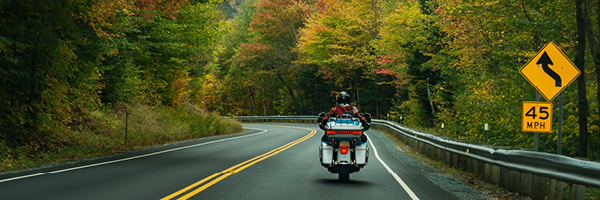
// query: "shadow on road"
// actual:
[[349, 182]]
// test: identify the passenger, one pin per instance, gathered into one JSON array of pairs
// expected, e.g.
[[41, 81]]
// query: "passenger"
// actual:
[[342, 102]]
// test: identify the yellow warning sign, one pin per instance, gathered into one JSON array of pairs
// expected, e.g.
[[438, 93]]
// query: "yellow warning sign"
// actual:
[[550, 71], [537, 117]]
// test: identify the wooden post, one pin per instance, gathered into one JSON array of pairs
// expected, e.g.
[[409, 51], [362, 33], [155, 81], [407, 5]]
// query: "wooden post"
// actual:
[[555, 190], [577, 192], [538, 188], [526, 184], [514, 181]]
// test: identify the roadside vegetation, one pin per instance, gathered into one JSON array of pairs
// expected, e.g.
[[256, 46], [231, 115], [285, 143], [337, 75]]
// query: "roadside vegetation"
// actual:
[[68, 68], [104, 134]]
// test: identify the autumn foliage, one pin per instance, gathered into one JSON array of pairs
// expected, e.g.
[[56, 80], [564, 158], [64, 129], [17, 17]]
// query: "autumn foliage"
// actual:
[[425, 62], [419, 62], [63, 61]]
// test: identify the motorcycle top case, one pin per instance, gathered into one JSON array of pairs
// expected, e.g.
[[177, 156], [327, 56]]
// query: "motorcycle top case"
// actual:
[[339, 126], [343, 124]]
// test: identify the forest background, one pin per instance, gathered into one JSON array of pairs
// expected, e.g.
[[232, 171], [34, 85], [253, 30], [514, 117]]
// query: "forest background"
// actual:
[[71, 70]]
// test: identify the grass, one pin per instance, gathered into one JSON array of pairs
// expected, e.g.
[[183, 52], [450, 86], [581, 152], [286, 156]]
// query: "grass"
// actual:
[[103, 133]]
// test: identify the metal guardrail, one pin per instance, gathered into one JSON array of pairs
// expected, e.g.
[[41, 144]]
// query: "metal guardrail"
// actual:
[[291, 117], [548, 165], [558, 167]]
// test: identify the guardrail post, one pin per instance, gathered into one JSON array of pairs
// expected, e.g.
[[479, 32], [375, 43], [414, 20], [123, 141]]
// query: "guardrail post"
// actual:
[[455, 161], [447, 158], [504, 177], [475, 166], [514, 181], [462, 162], [487, 176], [481, 166], [425, 148], [495, 174], [577, 192], [538, 188], [526, 181], [469, 164], [555, 190]]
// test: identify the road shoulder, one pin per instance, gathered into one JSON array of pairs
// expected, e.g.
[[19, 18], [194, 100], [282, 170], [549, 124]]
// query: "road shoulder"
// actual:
[[462, 184]]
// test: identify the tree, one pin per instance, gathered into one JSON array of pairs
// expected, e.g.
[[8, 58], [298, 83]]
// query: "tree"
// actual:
[[490, 42], [581, 83], [410, 38], [48, 68], [276, 23], [156, 51], [337, 38]]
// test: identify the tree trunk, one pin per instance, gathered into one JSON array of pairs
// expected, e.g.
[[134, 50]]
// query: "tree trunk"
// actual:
[[251, 99], [591, 38], [377, 108], [290, 90], [580, 63], [357, 95], [265, 108], [429, 98]]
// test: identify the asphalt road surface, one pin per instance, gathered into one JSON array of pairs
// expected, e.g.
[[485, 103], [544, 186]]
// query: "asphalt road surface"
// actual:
[[274, 161]]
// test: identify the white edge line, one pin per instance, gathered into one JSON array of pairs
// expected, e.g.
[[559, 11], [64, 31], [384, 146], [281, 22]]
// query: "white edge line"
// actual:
[[135, 157], [398, 179], [20, 177]]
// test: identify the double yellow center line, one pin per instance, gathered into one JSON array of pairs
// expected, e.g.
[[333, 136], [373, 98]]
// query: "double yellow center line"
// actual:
[[215, 178]]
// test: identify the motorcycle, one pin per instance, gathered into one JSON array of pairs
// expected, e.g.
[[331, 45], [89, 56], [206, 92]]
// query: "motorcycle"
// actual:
[[344, 148]]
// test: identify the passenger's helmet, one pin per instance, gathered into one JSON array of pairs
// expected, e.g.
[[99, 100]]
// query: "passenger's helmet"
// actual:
[[343, 98]]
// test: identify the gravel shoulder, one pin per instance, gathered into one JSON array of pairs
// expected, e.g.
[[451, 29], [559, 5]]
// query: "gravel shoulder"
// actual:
[[462, 184]]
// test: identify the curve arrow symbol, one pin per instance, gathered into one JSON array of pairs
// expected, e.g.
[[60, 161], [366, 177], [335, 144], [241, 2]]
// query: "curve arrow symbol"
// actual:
[[545, 61]]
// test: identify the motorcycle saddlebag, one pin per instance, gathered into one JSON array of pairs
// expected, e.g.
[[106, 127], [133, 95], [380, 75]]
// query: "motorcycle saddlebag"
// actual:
[[326, 153]]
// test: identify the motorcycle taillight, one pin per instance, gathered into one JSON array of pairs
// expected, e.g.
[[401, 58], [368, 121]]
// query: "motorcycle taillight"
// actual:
[[344, 150], [337, 131]]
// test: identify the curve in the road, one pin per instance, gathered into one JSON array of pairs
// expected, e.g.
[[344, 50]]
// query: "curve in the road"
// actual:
[[232, 170], [129, 158]]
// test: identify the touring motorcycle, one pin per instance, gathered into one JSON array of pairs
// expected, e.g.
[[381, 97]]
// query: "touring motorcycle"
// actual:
[[344, 148]]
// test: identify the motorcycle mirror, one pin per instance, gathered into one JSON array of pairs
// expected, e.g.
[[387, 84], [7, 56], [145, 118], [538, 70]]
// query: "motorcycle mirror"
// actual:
[[321, 115], [367, 117]]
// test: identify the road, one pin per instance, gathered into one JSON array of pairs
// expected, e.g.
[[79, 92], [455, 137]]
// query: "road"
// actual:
[[274, 161]]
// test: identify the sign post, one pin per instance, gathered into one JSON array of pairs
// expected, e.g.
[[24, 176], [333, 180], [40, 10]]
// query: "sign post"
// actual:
[[550, 71], [560, 113], [485, 127]]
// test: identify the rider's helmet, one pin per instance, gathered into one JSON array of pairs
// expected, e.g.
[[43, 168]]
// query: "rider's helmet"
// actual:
[[343, 99]]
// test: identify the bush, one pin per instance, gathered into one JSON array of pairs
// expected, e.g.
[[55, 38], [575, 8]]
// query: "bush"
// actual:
[[103, 133]]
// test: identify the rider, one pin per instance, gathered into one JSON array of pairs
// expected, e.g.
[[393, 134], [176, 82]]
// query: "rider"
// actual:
[[342, 101]]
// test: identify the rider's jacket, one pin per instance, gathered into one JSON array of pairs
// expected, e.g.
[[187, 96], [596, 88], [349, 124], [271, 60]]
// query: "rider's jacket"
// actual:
[[340, 109]]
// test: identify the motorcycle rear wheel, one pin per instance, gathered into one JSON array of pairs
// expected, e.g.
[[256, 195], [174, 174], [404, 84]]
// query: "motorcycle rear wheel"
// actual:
[[344, 176]]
